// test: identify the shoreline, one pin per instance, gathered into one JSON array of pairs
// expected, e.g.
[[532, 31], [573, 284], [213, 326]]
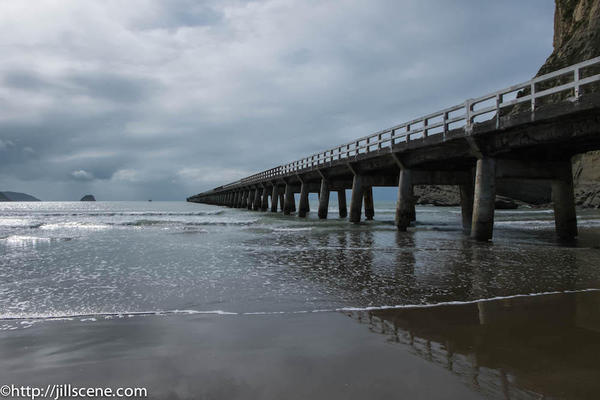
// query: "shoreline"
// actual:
[[447, 351]]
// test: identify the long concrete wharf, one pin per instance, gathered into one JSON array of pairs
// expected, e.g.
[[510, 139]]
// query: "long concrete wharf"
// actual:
[[526, 132]]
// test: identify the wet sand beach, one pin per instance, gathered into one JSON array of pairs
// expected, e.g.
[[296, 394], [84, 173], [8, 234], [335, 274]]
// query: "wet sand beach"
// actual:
[[527, 347]]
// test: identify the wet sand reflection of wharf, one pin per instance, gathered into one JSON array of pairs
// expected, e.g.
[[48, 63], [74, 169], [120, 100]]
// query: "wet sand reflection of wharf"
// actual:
[[524, 347]]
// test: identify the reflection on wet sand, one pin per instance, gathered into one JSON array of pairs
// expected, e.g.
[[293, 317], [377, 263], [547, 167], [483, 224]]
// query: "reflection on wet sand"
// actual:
[[527, 347]]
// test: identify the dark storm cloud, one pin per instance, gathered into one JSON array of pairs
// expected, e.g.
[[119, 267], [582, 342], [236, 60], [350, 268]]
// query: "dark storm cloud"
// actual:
[[99, 84], [113, 87], [25, 80], [153, 99], [182, 13]]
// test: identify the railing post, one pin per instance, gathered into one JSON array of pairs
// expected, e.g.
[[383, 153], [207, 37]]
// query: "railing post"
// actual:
[[498, 102], [532, 96], [445, 126], [576, 81], [468, 106]]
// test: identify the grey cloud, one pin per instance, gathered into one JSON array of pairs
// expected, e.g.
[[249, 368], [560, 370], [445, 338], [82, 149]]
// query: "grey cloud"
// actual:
[[82, 175], [26, 80], [114, 87], [299, 56], [172, 98]]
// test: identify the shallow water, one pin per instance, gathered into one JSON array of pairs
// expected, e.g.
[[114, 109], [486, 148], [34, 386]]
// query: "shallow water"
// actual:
[[79, 258], [196, 301]]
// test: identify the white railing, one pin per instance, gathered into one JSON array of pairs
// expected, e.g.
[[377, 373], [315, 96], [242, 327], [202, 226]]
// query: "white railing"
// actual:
[[461, 116]]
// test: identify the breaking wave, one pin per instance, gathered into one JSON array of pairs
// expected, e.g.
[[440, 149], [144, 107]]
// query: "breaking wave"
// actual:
[[89, 316]]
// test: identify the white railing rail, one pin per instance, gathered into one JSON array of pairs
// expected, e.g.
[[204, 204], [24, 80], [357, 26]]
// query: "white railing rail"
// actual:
[[463, 116]]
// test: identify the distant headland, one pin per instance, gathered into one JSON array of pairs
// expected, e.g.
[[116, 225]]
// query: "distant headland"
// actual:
[[16, 196]]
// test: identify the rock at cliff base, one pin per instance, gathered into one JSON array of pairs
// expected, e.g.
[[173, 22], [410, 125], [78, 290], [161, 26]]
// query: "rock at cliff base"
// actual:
[[505, 203], [88, 197], [437, 195], [447, 195]]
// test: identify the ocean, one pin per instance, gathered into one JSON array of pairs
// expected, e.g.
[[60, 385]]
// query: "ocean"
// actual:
[[197, 291]]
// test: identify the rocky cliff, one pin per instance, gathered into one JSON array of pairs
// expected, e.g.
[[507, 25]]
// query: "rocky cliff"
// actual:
[[576, 34], [576, 39]]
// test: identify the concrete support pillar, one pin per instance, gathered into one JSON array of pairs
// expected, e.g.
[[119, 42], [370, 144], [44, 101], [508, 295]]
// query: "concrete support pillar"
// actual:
[[250, 199], [256, 203], [356, 199], [288, 201], [482, 227], [265, 199], [235, 199], [242, 203], [303, 203], [343, 210], [563, 199], [405, 206], [369, 206], [466, 205], [324, 199], [274, 197], [281, 201]]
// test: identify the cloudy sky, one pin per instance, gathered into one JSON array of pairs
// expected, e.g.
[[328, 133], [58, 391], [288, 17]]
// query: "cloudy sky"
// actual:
[[143, 99]]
